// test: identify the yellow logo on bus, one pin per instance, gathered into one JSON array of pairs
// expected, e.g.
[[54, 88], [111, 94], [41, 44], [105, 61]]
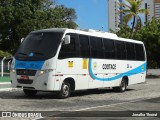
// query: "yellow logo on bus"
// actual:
[[70, 64], [84, 63]]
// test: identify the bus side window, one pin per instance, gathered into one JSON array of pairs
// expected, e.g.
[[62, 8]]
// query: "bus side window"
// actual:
[[109, 48], [93, 47], [120, 50], [130, 51], [139, 52], [69, 50], [100, 48], [84, 46], [96, 47], [142, 55]]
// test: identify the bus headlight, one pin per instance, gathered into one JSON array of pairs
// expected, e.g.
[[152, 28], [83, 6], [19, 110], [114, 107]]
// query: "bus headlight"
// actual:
[[41, 72], [12, 70]]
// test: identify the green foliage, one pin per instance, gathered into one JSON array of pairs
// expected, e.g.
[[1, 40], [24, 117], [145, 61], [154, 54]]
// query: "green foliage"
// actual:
[[19, 17], [124, 31], [4, 54]]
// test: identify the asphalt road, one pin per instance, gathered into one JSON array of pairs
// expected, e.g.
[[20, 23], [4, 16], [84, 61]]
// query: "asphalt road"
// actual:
[[140, 97]]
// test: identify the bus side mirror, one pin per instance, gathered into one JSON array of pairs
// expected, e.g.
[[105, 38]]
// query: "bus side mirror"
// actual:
[[22, 40], [67, 39]]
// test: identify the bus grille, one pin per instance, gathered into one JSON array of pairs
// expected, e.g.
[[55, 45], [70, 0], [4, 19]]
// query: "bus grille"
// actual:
[[25, 81], [26, 72]]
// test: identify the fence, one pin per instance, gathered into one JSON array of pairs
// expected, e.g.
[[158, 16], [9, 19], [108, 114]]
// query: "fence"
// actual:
[[5, 64]]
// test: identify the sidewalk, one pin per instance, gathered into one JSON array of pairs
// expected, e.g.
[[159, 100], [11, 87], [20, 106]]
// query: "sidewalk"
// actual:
[[5, 83]]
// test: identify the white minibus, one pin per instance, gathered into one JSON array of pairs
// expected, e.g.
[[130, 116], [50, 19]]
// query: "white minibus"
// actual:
[[65, 60]]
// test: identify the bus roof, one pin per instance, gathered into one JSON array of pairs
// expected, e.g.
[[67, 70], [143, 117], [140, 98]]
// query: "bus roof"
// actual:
[[51, 30], [90, 32]]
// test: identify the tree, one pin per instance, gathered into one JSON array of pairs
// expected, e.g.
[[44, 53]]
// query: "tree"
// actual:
[[124, 31], [4, 54], [132, 10], [150, 35], [19, 17]]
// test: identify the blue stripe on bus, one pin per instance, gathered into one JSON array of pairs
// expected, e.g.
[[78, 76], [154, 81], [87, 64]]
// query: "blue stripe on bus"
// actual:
[[139, 69], [37, 65]]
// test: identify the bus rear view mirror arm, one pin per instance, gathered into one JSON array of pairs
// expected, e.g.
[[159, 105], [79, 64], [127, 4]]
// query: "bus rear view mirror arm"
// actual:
[[22, 40], [67, 40]]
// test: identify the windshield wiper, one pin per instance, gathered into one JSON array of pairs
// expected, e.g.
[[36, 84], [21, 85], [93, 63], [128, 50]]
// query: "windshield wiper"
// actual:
[[20, 53], [38, 53]]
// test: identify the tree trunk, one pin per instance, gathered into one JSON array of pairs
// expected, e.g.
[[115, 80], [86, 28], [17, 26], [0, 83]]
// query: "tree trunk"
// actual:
[[134, 19]]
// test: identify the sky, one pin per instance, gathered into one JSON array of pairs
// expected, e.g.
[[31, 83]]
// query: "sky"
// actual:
[[91, 14]]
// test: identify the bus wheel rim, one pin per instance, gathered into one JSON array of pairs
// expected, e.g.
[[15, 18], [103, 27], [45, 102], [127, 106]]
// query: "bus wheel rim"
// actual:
[[123, 85], [65, 90]]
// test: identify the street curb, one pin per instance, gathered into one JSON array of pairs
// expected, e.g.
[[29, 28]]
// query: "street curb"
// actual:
[[4, 83], [8, 89]]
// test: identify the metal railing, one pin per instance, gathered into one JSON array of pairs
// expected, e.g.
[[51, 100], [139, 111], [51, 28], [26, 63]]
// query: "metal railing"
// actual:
[[5, 64]]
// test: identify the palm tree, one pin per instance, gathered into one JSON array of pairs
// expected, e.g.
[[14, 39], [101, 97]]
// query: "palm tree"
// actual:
[[132, 9]]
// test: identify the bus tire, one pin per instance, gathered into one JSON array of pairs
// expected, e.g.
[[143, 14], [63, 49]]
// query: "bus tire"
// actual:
[[65, 90], [30, 93], [122, 87]]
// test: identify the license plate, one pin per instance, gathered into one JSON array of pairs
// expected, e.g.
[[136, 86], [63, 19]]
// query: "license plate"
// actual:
[[23, 77]]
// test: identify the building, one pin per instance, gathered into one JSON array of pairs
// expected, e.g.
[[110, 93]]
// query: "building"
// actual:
[[154, 9], [115, 18], [121, 15], [157, 9], [113, 15]]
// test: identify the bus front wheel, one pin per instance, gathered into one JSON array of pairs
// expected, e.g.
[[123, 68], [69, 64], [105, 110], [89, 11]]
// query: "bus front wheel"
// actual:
[[122, 87], [65, 90], [30, 93]]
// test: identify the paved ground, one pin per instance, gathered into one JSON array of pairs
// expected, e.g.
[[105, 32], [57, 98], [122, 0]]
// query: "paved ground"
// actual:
[[137, 97], [153, 72], [148, 109], [5, 85]]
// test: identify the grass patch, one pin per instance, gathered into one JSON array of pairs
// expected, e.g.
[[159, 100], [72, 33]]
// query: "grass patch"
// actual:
[[5, 79]]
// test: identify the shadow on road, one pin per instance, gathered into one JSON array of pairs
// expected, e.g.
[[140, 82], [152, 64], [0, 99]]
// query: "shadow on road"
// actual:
[[52, 95]]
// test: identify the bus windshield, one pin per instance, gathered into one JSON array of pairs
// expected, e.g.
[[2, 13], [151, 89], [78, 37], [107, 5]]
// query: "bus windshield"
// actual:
[[39, 46]]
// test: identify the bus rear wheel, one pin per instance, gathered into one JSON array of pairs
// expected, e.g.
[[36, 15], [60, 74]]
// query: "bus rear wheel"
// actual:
[[30, 93], [65, 90], [122, 87]]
